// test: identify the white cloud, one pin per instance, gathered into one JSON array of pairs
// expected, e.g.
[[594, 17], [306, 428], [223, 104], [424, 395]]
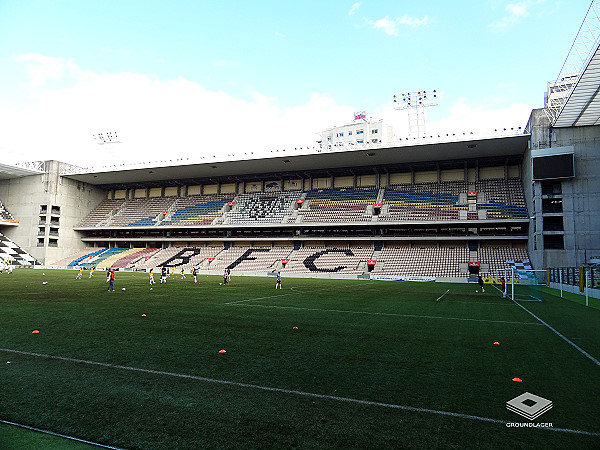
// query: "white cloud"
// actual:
[[390, 26], [514, 13], [40, 69], [353, 9], [154, 119]]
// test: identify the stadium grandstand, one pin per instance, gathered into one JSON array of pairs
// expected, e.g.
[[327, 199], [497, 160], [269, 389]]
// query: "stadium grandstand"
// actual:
[[419, 211]]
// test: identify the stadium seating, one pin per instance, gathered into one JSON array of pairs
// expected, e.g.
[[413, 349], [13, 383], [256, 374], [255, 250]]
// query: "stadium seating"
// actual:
[[338, 260], [9, 251], [101, 214], [446, 201], [397, 258], [421, 260], [497, 256], [196, 210], [421, 202], [250, 259], [5, 215], [338, 205], [261, 207]]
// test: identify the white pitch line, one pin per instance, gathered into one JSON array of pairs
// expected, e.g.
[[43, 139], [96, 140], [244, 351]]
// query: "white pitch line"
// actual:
[[64, 436], [438, 299], [391, 314], [291, 391], [259, 298], [594, 360], [271, 296]]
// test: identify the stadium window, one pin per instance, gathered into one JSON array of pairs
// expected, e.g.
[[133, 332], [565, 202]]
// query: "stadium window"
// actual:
[[40, 242], [552, 205], [43, 209], [52, 242], [349, 133], [374, 131], [360, 131], [56, 210], [554, 242]]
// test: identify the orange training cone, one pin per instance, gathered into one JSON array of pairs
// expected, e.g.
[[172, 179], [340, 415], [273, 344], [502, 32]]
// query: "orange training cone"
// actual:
[[496, 343], [222, 351], [35, 332], [518, 380], [143, 315]]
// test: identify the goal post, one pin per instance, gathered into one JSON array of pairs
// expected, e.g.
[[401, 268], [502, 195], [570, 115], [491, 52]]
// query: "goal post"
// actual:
[[526, 285]]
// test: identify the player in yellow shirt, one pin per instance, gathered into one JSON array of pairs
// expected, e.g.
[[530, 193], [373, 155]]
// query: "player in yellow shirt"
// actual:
[[79, 274]]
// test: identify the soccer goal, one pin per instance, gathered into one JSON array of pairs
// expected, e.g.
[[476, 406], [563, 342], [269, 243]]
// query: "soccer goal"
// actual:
[[525, 285]]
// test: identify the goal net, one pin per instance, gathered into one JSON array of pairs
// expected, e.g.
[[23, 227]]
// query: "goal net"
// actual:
[[525, 285]]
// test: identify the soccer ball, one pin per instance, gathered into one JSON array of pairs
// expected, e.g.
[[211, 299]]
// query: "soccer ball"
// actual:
[[123, 289], [476, 291], [220, 284]]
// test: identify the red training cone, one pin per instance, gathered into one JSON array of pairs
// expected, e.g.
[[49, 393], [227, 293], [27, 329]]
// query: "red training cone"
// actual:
[[35, 332], [518, 380], [222, 351], [295, 328]]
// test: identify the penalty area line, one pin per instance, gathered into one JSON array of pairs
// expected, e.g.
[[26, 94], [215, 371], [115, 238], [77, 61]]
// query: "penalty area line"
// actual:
[[291, 392], [562, 336], [344, 311]]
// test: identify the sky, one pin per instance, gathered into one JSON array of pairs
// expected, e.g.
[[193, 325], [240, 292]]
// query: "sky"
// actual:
[[185, 80]]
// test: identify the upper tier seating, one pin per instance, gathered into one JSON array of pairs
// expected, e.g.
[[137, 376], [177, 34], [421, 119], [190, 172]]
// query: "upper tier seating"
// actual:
[[262, 207], [422, 202], [197, 209], [142, 211], [337, 205], [446, 201]]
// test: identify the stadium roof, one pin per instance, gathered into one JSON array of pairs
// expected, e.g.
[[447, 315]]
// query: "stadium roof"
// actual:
[[8, 172], [583, 104], [335, 163], [579, 105]]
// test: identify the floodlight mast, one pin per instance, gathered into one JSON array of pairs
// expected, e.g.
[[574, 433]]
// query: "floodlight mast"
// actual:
[[415, 103], [106, 138]]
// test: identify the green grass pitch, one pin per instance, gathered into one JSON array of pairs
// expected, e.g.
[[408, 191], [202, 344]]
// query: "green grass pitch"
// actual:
[[370, 365]]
